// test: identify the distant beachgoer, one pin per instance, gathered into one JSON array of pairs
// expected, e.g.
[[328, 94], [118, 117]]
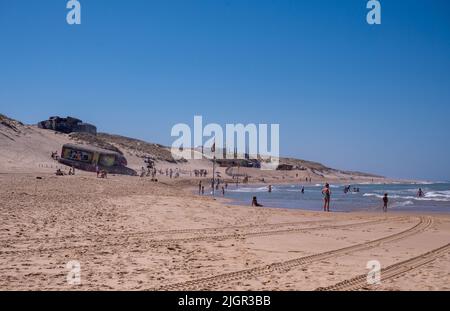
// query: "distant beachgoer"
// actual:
[[203, 190], [303, 189], [223, 191], [59, 172], [73, 170], [420, 193], [385, 202], [270, 188], [97, 170], [199, 187], [226, 185], [255, 202], [326, 197]]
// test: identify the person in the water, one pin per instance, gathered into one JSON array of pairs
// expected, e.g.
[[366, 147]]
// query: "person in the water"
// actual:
[[326, 197], [420, 193], [385, 202]]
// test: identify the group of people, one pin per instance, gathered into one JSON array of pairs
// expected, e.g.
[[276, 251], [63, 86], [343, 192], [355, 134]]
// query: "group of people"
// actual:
[[150, 172], [348, 189], [101, 173], [200, 173], [215, 184], [326, 192], [60, 172], [55, 156]]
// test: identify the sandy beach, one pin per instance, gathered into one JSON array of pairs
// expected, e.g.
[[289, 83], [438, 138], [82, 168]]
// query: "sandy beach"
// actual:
[[129, 233], [236, 147]]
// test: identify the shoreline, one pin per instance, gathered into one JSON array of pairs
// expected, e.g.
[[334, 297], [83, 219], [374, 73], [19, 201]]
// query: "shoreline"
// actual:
[[345, 202]]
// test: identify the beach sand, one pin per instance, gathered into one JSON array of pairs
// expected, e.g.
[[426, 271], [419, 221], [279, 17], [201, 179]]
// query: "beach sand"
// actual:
[[129, 233]]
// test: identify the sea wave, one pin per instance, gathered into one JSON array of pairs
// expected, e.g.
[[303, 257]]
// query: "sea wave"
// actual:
[[438, 196], [249, 190], [321, 185], [402, 204]]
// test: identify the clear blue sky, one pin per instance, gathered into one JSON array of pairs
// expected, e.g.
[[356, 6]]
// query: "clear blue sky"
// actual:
[[350, 95]]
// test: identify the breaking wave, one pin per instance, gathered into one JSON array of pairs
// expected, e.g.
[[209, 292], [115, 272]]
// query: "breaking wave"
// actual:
[[439, 196]]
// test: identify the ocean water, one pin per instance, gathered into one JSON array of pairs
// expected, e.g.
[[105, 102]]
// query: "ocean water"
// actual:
[[402, 197]]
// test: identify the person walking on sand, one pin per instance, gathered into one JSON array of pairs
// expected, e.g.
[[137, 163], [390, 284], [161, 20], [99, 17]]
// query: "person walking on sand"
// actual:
[[203, 190], [385, 202], [326, 197], [303, 189], [270, 188], [200, 187], [255, 203], [223, 191]]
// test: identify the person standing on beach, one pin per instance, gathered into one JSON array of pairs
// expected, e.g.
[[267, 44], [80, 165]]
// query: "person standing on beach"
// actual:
[[326, 197], [303, 189], [270, 188], [385, 202], [200, 187]]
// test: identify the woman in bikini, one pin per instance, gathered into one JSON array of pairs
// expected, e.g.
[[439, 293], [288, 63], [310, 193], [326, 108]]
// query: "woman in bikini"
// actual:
[[326, 197]]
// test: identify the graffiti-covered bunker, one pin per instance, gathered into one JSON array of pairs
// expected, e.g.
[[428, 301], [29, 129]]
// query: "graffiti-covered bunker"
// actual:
[[87, 158]]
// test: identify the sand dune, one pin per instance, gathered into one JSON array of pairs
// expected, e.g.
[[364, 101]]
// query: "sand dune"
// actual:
[[27, 148]]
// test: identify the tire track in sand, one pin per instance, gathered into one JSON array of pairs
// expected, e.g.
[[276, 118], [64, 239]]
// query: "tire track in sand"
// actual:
[[125, 240], [392, 271], [208, 282]]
